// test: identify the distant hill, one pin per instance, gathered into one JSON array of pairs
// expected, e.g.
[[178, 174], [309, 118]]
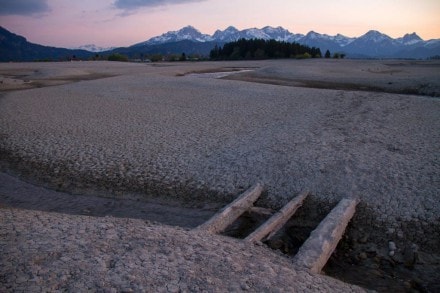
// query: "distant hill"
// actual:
[[17, 48], [188, 47]]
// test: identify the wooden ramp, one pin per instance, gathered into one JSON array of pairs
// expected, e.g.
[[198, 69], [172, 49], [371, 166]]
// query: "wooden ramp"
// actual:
[[315, 252], [277, 221], [220, 221]]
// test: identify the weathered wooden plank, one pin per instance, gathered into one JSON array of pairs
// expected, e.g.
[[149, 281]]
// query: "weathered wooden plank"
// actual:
[[261, 211], [220, 221], [315, 252], [271, 226]]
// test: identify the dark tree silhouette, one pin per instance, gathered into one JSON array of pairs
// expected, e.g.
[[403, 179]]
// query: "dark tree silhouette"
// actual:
[[255, 49]]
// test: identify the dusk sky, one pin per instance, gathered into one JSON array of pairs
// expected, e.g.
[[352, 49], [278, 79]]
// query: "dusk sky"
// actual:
[[67, 23]]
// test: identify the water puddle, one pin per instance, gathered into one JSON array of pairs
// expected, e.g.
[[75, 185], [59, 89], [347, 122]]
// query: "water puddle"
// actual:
[[219, 74]]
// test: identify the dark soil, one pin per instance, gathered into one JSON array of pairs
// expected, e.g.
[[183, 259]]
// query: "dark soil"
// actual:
[[354, 263], [384, 273]]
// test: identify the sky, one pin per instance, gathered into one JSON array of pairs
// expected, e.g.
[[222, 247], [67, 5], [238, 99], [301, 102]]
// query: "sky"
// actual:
[[106, 23]]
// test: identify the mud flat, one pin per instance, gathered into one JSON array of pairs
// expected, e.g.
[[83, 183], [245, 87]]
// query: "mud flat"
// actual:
[[347, 128]]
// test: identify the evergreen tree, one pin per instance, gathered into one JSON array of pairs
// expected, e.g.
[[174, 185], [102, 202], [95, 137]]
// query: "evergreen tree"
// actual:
[[327, 54], [262, 49]]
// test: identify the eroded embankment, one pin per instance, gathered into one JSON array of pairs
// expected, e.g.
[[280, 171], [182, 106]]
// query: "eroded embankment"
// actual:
[[64, 176], [61, 176], [361, 258]]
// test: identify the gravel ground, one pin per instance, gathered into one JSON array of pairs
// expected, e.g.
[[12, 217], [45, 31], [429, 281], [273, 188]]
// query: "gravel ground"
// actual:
[[151, 131], [48, 252]]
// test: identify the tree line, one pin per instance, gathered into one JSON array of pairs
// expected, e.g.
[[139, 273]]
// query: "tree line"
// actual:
[[255, 49]]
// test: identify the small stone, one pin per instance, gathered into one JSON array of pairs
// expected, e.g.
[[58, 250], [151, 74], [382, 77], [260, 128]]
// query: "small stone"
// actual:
[[363, 255], [245, 286], [391, 253], [392, 246]]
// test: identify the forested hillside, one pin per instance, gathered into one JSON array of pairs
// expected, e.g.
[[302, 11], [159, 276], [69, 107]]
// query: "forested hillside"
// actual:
[[255, 49]]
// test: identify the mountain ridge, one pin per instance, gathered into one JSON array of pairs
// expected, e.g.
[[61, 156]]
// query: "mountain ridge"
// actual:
[[189, 40], [17, 48], [372, 44]]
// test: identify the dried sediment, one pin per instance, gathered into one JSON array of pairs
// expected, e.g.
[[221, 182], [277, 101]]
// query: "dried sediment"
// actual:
[[154, 132], [49, 252], [151, 132]]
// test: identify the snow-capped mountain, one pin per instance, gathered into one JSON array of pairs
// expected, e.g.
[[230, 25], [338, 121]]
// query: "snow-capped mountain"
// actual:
[[373, 44], [190, 41], [279, 33], [93, 48], [342, 40], [186, 33], [409, 39], [374, 36], [228, 35], [325, 42], [267, 33]]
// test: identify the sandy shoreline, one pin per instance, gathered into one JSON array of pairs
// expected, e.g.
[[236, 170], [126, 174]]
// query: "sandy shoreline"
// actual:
[[154, 130]]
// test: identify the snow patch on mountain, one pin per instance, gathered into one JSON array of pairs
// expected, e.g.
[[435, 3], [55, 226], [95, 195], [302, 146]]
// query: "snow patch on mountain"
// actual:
[[93, 48], [374, 37], [186, 33], [409, 39]]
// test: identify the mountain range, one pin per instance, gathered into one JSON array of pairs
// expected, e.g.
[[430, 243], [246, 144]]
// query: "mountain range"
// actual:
[[189, 40], [373, 44]]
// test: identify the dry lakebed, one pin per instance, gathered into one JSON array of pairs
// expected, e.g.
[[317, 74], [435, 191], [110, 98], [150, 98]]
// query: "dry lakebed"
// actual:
[[107, 167]]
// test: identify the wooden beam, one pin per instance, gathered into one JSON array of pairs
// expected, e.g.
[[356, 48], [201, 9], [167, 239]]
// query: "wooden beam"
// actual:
[[261, 211], [315, 252], [277, 221], [220, 221]]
